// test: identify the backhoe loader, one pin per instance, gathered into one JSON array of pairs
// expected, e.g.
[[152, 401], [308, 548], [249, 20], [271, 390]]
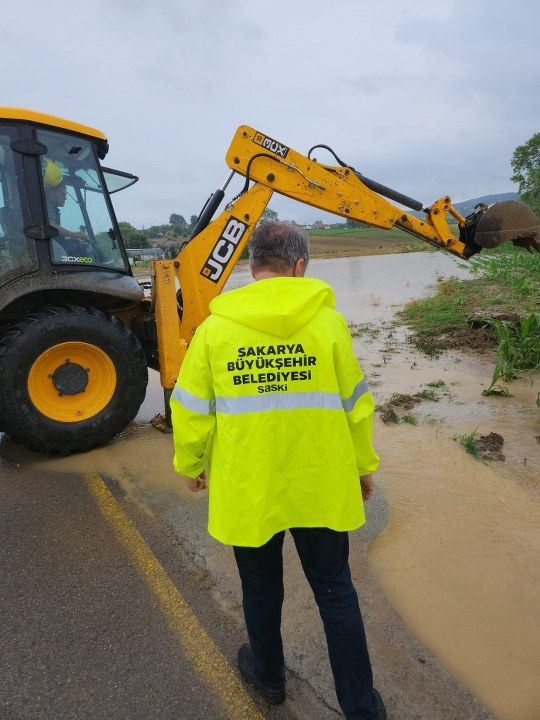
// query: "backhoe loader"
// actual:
[[77, 334]]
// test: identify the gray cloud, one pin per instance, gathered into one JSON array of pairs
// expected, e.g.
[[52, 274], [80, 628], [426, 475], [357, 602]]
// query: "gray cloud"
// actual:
[[429, 97]]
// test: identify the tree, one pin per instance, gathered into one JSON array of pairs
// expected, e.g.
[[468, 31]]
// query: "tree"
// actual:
[[178, 221], [127, 231], [269, 215], [155, 231], [526, 167], [132, 237], [172, 251], [356, 223], [139, 240], [193, 221]]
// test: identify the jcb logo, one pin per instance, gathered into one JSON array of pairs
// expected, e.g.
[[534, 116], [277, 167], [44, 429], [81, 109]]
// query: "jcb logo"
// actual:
[[224, 249], [269, 144]]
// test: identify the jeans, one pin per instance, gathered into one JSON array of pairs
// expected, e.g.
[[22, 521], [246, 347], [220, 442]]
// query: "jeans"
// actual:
[[324, 555]]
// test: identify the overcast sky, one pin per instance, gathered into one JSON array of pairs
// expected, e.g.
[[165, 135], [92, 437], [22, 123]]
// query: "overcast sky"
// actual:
[[427, 96]]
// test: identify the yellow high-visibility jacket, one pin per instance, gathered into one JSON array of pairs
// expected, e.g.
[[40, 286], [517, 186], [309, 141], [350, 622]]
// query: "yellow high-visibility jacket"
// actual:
[[270, 392]]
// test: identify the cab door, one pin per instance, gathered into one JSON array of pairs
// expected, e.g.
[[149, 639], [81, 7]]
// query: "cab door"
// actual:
[[17, 252]]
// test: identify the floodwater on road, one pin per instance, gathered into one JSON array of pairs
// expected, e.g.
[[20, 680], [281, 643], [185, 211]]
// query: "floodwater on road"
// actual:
[[370, 288], [458, 560]]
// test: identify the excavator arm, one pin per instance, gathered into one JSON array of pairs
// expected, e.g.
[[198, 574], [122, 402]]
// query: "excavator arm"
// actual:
[[338, 189], [205, 263], [344, 191]]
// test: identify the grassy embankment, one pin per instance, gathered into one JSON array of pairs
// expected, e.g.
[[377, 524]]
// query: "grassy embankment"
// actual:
[[141, 267], [347, 242], [344, 243], [497, 308]]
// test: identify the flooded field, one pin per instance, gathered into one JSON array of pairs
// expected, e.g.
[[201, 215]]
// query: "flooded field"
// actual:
[[458, 557]]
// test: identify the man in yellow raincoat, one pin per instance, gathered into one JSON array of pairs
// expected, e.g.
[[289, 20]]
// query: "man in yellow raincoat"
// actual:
[[271, 396]]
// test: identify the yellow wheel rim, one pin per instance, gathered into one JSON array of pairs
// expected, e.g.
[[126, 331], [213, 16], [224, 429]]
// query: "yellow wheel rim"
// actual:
[[72, 382]]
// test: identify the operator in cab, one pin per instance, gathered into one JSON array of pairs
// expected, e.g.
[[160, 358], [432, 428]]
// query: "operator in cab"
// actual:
[[74, 244], [271, 396]]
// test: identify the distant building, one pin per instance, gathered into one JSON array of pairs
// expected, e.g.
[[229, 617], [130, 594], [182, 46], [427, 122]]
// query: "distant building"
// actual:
[[317, 225], [151, 253]]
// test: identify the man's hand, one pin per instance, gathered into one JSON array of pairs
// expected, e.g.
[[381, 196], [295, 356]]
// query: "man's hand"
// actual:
[[368, 486], [199, 483]]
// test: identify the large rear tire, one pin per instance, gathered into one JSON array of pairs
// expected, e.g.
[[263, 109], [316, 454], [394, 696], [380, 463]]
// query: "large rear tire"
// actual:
[[72, 378]]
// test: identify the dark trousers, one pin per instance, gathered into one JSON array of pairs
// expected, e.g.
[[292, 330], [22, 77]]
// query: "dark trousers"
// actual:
[[324, 555]]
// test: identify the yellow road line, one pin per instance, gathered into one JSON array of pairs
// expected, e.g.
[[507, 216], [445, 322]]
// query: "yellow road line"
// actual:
[[198, 646]]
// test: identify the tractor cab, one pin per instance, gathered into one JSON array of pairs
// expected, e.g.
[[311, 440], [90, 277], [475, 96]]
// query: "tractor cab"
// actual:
[[72, 371], [56, 217]]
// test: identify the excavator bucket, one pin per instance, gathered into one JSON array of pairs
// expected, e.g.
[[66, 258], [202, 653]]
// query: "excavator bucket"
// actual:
[[508, 220]]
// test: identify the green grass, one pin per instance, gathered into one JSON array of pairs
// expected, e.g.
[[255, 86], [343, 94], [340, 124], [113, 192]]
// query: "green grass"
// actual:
[[404, 402], [347, 232], [388, 413], [436, 384], [140, 267], [507, 282], [469, 443], [358, 329], [428, 395], [513, 268], [435, 420], [393, 233], [443, 312]]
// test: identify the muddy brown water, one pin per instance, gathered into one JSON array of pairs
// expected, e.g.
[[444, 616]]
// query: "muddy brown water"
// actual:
[[458, 560]]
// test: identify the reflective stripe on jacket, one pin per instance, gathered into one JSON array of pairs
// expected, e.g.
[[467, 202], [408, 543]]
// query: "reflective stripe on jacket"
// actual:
[[270, 392]]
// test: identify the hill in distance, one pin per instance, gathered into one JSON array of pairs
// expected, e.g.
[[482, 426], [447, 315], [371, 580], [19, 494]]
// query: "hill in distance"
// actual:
[[467, 206]]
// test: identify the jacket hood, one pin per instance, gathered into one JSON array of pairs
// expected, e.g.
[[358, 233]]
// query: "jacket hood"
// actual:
[[279, 305]]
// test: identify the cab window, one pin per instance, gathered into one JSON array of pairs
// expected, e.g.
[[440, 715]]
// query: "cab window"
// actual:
[[76, 204], [17, 253], [117, 180]]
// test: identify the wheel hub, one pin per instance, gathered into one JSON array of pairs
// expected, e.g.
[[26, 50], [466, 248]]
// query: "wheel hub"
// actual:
[[72, 381], [70, 378]]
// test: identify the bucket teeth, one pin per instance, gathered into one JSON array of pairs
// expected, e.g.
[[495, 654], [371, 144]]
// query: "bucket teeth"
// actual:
[[510, 220], [529, 242]]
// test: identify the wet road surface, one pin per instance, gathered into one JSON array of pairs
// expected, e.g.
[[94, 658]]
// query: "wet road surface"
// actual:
[[82, 635], [444, 567]]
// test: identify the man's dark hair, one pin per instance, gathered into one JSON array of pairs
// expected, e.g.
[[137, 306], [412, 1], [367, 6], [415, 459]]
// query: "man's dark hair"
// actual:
[[276, 246]]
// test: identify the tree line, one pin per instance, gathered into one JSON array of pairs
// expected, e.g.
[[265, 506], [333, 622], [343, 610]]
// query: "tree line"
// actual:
[[177, 227], [526, 167]]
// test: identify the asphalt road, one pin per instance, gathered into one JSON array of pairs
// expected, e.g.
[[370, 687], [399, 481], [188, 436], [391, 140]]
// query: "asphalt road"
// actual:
[[83, 633], [112, 592]]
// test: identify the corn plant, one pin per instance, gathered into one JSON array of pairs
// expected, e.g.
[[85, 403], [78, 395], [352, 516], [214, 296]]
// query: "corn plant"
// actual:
[[518, 349]]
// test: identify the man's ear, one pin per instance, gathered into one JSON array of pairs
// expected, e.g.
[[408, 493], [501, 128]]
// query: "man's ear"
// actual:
[[251, 270], [299, 268]]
